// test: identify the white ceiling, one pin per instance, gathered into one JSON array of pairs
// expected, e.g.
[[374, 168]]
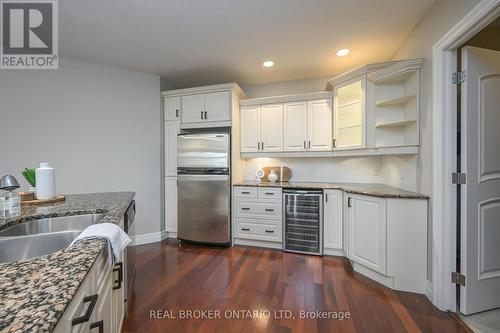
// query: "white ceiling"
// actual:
[[196, 42]]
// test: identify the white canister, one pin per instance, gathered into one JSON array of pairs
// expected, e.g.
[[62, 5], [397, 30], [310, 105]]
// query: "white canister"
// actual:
[[45, 181]]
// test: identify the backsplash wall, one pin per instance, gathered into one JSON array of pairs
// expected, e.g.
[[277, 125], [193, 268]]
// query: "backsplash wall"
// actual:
[[395, 171]]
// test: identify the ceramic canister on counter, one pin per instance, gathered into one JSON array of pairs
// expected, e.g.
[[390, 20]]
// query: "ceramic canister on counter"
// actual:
[[45, 181]]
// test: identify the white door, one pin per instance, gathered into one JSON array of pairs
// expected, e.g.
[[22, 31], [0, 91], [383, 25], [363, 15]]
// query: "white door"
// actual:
[[272, 127], [172, 129], [333, 219], [193, 109], [217, 106], [349, 121], [295, 126], [250, 128], [366, 228], [319, 125], [172, 108], [480, 205], [171, 205]]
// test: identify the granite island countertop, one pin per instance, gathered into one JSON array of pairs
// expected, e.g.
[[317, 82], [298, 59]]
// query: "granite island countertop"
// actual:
[[371, 189], [34, 293]]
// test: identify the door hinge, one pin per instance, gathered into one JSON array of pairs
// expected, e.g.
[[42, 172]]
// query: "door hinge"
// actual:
[[458, 278], [459, 77], [458, 178]]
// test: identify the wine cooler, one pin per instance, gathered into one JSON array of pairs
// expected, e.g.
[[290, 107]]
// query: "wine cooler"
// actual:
[[303, 221]]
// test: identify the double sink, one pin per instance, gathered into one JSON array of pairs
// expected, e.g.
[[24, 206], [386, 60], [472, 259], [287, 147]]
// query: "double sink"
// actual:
[[41, 237]]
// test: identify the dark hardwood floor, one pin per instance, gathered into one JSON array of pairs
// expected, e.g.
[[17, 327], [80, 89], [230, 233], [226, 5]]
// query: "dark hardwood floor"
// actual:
[[172, 279]]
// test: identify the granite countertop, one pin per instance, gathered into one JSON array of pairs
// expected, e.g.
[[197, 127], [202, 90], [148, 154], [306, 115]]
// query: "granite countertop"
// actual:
[[35, 292], [375, 190]]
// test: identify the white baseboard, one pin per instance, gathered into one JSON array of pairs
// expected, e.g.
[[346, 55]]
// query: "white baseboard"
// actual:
[[265, 244], [171, 234], [376, 276], [428, 289], [147, 238], [334, 252], [164, 234]]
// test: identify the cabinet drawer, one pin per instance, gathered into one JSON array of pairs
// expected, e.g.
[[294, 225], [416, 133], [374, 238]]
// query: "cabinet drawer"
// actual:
[[264, 232], [245, 192], [258, 209], [269, 193]]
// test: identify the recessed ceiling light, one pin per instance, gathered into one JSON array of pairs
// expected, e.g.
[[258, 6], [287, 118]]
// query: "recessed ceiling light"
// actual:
[[343, 52], [268, 63]]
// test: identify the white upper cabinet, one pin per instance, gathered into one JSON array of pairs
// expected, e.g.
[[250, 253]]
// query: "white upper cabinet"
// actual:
[[250, 128], [203, 107], [272, 127], [217, 106], [193, 108], [319, 125], [172, 108], [172, 129], [349, 122], [295, 126]]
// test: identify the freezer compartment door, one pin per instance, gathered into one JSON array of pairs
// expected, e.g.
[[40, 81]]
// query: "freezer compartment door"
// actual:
[[204, 208], [208, 150]]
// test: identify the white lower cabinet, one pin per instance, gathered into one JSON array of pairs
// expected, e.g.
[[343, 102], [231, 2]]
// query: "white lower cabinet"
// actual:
[[333, 221], [367, 225], [387, 240], [257, 216], [98, 305], [171, 206]]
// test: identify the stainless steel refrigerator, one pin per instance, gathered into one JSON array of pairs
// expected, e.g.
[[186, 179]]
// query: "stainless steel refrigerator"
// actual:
[[204, 187]]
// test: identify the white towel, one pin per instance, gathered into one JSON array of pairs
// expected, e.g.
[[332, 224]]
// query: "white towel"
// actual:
[[116, 237]]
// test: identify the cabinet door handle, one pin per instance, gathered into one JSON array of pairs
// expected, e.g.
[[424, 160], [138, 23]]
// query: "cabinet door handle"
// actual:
[[269, 193], [334, 143], [98, 324], [262, 145], [118, 268], [349, 202], [326, 197], [177, 113], [270, 231], [269, 210], [309, 144], [245, 192], [201, 115], [258, 145], [304, 144], [206, 114], [245, 229], [86, 317], [245, 208]]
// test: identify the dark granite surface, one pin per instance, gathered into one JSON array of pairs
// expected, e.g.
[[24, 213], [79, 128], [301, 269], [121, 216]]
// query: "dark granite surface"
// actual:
[[375, 190], [34, 293]]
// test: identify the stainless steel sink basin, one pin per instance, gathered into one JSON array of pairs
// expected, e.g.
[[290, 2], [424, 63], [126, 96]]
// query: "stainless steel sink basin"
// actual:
[[41, 237], [65, 223], [24, 247]]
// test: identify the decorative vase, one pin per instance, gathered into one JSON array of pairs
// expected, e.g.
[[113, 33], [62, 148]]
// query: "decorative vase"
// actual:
[[33, 190], [273, 177]]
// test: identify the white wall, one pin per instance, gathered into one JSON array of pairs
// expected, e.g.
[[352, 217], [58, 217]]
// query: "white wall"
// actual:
[[338, 169], [99, 127], [437, 22]]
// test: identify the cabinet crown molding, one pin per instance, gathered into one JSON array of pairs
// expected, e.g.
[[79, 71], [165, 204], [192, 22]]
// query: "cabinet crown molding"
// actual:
[[234, 87], [395, 69], [286, 98], [356, 72]]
